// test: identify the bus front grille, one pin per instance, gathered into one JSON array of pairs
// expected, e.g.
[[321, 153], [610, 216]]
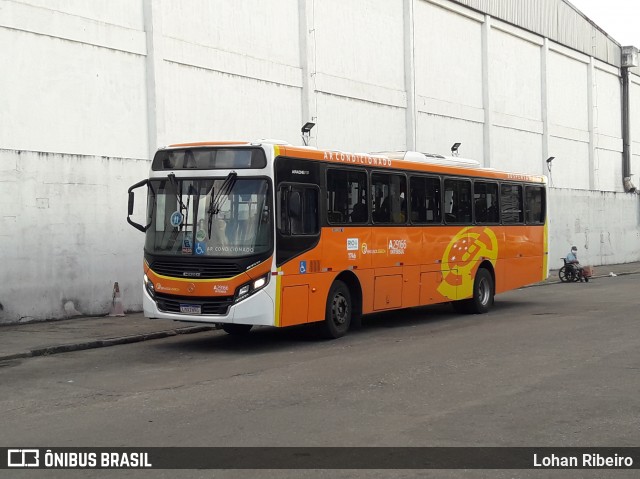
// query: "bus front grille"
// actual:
[[196, 271], [215, 305]]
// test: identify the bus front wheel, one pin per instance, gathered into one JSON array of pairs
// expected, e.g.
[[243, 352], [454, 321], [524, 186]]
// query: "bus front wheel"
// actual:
[[338, 311]]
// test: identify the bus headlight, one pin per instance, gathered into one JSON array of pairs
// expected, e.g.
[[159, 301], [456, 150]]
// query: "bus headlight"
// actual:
[[248, 289], [149, 285]]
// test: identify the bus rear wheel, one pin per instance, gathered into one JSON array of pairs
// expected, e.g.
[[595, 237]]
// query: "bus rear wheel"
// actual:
[[483, 292], [483, 295], [237, 329], [338, 311]]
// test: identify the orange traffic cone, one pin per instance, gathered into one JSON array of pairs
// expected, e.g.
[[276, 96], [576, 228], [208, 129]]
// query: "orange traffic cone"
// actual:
[[116, 302]]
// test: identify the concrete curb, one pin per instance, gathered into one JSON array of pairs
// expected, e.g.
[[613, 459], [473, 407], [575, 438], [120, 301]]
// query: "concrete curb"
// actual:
[[104, 343]]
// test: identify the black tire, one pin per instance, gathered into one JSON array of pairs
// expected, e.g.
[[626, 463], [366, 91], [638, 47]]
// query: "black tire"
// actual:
[[482, 299], [483, 292], [237, 329], [338, 311]]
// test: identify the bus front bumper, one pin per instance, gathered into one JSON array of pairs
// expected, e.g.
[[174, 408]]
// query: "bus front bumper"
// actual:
[[257, 309]]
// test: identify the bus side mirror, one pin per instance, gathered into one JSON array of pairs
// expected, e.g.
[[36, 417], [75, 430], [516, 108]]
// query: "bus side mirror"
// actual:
[[131, 200], [131, 204]]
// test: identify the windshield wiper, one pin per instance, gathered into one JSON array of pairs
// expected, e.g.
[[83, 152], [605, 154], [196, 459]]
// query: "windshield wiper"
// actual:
[[174, 183], [216, 202]]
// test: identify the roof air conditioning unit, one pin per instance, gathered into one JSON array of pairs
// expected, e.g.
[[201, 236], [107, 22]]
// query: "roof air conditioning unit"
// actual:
[[629, 57]]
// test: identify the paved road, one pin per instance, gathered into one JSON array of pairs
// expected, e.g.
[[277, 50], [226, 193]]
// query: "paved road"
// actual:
[[556, 365]]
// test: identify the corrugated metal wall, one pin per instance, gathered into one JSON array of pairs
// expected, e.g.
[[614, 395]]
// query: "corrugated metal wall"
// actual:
[[557, 20]]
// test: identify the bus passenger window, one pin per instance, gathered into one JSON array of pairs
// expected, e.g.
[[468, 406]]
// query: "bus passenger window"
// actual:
[[485, 202], [457, 201], [535, 205], [347, 196], [511, 204], [425, 200], [388, 198]]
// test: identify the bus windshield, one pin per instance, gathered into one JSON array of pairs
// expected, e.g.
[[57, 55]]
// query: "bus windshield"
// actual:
[[222, 217]]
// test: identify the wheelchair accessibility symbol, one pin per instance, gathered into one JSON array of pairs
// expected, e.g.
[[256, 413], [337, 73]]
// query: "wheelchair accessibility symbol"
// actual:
[[303, 267], [201, 248]]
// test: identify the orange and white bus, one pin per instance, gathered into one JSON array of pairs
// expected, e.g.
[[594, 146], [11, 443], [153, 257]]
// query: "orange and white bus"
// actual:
[[266, 233]]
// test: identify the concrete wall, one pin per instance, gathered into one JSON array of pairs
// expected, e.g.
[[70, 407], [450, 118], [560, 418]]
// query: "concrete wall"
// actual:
[[448, 80], [634, 88], [73, 137], [605, 226], [223, 65], [91, 89], [64, 238]]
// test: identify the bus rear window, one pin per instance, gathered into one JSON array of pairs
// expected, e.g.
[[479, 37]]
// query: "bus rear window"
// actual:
[[209, 159]]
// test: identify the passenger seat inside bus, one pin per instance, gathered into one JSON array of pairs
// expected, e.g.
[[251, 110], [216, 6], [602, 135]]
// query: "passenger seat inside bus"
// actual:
[[359, 213]]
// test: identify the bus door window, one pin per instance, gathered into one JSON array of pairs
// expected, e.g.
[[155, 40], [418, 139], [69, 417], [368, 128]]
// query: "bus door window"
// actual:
[[535, 204], [485, 202], [457, 201], [511, 203], [388, 194], [347, 196], [425, 200], [298, 210], [245, 207]]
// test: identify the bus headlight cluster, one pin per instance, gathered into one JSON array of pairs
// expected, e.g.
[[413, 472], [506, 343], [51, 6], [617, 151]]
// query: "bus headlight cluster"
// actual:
[[149, 285], [248, 289]]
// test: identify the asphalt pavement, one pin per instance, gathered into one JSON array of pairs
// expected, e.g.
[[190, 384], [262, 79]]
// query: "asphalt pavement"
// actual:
[[59, 336]]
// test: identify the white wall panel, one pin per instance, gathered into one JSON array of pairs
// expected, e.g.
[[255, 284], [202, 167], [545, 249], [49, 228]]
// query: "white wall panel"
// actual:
[[635, 168], [358, 126], [361, 40], [608, 170], [634, 89], [567, 94], [607, 119], [436, 134], [570, 168], [255, 28], [69, 97], [514, 75], [517, 151], [125, 13], [448, 56], [204, 105]]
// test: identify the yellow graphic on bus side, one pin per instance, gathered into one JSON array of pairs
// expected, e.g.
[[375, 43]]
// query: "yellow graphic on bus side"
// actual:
[[467, 247]]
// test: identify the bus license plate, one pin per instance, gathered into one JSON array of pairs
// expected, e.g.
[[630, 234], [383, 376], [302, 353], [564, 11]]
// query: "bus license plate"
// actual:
[[191, 308]]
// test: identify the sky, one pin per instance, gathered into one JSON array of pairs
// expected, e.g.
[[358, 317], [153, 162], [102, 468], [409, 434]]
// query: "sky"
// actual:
[[619, 18]]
